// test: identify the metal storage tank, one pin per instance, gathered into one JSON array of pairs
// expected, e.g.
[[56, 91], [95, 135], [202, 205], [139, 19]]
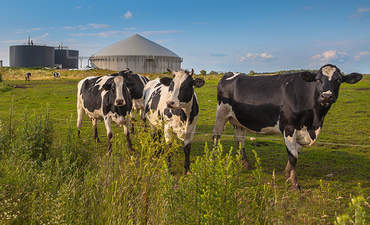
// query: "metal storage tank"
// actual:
[[137, 53], [31, 56], [67, 58], [1, 63]]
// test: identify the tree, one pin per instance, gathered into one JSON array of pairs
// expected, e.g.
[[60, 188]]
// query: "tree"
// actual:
[[203, 72], [251, 72], [212, 72]]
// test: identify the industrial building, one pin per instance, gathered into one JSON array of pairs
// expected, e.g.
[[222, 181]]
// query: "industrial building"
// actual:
[[1, 63], [31, 55], [66, 58], [138, 54]]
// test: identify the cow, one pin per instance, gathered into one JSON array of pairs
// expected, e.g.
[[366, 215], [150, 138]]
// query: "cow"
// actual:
[[27, 76], [56, 75], [173, 102], [135, 83], [108, 98], [293, 105]]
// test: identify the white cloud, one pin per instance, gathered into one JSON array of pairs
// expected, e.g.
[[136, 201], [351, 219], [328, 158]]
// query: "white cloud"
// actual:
[[363, 10], [152, 32], [360, 12], [24, 41], [362, 54], [104, 34], [127, 15], [330, 56], [21, 31], [87, 26], [256, 56]]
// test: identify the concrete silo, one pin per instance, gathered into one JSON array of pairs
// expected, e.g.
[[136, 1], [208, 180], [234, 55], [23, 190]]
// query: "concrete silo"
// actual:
[[137, 53], [66, 58], [31, 56]]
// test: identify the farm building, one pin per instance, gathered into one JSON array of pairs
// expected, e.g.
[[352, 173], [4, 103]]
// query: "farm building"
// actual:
[[30, 55], [137, 53]]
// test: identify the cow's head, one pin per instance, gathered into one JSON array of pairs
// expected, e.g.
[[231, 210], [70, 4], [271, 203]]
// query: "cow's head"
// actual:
[[181, 87], [328, 80], [117, 88]]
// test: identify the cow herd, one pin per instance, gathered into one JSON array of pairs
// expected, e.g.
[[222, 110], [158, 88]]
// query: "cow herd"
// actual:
[[293, 105]]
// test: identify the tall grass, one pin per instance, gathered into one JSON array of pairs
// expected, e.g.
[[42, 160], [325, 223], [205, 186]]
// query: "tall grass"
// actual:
[[50, 179]]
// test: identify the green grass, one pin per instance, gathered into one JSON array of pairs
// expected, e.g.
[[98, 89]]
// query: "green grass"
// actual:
[[330, 174]]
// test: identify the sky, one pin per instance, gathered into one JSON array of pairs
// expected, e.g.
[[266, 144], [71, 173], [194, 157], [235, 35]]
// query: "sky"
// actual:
[[238, 36]]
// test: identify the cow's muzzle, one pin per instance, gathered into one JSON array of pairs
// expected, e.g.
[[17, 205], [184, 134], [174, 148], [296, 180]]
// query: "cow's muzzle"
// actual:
[[326, 99], [170, 104], [119, 102]]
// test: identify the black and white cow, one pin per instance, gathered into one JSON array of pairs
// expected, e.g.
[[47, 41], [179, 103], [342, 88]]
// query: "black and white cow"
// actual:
[[56, 75], [27, 76], [294, 105], [135, 83], [107, 98], [173, 101]]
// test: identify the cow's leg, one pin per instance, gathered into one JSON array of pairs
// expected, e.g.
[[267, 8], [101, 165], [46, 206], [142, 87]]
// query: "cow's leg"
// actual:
[[95, 125], [108, 127], [221, 118], [239, 138], [126, 131], [80, 115], [293, 149], [187, 147]]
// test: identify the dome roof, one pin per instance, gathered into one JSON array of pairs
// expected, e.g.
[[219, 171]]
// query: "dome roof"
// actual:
[[136, 45]]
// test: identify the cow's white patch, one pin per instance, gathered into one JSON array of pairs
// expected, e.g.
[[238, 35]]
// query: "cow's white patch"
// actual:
[[328, 71], [271, 130], [328, 92], [235, 75], [223, 113], [118, 80], [291, 144], [304, 138], [101, 81]]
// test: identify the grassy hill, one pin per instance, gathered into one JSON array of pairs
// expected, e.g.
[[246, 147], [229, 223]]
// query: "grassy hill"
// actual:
[[48, 175]]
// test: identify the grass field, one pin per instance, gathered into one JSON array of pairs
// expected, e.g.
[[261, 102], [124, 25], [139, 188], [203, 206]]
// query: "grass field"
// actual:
[[330, 171]]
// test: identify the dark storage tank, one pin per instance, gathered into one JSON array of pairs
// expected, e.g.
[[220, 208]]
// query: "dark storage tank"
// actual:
[[66, 58], [31, 56]]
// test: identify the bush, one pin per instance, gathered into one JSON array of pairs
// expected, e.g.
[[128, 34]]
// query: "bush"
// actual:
[[203, 72], [251, 72], [212, 72], [61, 179]]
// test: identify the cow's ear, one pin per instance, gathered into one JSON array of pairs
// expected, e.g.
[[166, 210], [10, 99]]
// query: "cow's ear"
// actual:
[[198, 82], [124, 74], [308, 76], [352, 78], [165, 81]]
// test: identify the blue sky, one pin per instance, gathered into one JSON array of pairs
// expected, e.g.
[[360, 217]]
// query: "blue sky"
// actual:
[[212, 35]]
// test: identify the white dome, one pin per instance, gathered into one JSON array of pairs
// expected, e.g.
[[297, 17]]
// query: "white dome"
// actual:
[[135, 45]]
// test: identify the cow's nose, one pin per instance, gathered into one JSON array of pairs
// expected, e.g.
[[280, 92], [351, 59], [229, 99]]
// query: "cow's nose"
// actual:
[[119, 102], [170, 104], [327, 96]]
